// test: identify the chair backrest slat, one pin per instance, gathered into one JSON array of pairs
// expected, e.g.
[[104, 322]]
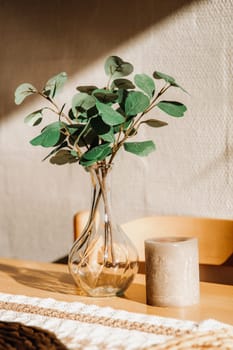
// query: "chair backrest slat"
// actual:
[[215, 236]]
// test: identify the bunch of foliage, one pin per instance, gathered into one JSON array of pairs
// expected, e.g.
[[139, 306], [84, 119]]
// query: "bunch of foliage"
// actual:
[[100, 121]]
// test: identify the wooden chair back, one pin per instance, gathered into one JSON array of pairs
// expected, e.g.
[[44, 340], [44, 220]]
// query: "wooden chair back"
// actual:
[[215, 236]]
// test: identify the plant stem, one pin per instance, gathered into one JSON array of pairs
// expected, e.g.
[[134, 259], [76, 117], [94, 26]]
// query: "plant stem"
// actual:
[[161, 92], [136, 124], [60, 113], [101, 174]]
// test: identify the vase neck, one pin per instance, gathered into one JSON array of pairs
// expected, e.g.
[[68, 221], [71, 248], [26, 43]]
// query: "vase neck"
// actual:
[[101, 191]]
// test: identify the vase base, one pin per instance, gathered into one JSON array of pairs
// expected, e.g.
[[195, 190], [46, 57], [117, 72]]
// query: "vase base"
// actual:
[[106, 291], [106, 284]]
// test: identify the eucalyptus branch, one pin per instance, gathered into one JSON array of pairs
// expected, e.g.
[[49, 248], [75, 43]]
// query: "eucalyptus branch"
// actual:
[[161, 92], [58, 111], [137, 122], [100, 114], [120, 144]]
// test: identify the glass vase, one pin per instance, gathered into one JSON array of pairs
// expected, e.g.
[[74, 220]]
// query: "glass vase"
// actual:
[[103, 261]]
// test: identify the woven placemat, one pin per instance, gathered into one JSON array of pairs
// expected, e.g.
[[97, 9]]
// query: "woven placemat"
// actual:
[[212, 340], [83, 327]]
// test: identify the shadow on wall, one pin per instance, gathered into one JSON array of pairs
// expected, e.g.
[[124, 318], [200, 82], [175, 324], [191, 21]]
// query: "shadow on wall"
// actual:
[[39, 39]]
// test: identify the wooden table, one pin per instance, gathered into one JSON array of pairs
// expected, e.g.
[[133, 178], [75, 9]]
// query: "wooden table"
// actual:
[[54, 281]]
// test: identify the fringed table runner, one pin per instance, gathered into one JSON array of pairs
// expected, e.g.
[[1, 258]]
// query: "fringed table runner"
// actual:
[[89, 327]]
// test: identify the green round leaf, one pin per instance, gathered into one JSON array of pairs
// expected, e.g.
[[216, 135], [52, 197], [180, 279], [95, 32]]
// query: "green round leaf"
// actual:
[[34, 118], [54, 84], [99, 126], [87, 88], [180, 87], [104, 131], [145, 83], [105, 96], [136, 102], [140, 148], [122, 94], [123, 84], [49, 135], [116, 67], [95, 154], [87, 163], [64, 157], [108, 137], [167, 78], [23, 91], [82, 101], [154, 123], [54, 150], [173, 108], [109, 115]]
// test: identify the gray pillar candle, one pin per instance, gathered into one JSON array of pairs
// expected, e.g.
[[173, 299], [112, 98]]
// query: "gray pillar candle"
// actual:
[[172, 271]]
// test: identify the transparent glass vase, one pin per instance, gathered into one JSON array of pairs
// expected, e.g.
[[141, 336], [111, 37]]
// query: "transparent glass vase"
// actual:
[[103, 261]]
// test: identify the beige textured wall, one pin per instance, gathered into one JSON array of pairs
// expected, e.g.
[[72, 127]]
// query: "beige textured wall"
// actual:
[[191, 171]]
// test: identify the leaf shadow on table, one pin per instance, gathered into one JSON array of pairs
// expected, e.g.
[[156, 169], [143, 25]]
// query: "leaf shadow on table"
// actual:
[[61, 282], [52, 281]]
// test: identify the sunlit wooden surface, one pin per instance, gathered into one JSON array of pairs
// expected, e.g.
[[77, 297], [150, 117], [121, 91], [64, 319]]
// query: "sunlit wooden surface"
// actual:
[[54, 281]]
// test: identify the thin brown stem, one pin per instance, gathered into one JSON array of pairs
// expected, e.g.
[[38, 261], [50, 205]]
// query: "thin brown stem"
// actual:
[[136, 123], [58, 111], [61, 113], [101, 174]]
